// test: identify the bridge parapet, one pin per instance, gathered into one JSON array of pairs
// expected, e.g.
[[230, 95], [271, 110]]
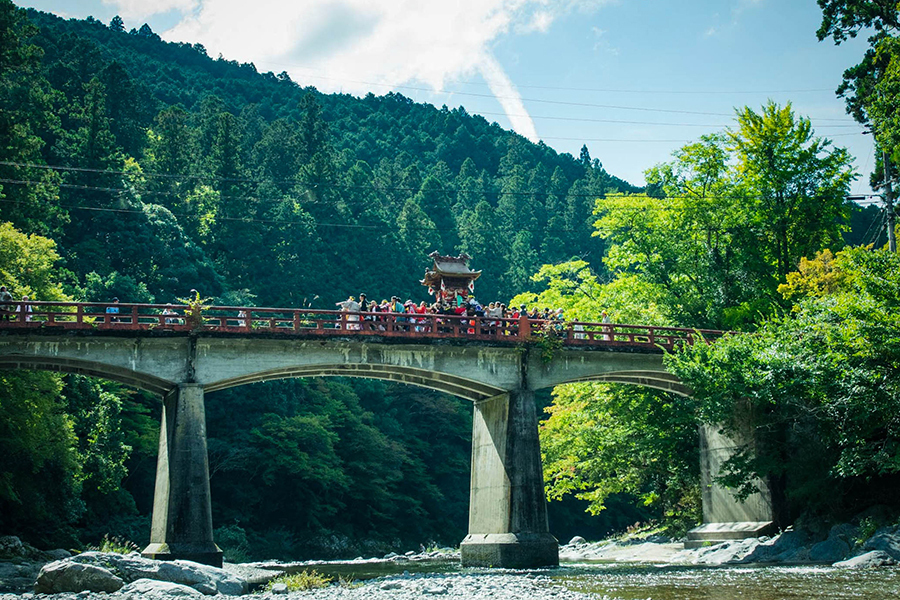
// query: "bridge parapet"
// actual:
[[257, 321]]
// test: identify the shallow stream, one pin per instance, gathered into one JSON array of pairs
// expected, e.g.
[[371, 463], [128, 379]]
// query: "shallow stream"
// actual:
[[630, 581]]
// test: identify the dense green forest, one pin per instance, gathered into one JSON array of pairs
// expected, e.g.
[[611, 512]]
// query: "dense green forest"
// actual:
[[137, 168]]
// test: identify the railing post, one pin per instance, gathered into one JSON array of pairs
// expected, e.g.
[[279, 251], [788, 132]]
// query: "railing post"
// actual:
[[79, 314], [524, 328], [296, 321]]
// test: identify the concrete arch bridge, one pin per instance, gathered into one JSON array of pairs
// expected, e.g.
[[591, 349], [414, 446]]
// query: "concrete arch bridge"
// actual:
[[180, 353]]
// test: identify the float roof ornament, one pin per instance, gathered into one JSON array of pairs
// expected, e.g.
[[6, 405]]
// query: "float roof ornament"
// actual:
[[451, 271]]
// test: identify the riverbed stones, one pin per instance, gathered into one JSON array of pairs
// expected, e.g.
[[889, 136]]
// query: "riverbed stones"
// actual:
[[131, 567], [279, 588], [152, 589], [390, 585], [875, 558], [11, 546], [66, 576]]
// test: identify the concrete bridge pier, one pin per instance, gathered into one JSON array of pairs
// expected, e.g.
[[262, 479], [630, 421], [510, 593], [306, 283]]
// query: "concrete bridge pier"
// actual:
[[507, 508], [182, 509]]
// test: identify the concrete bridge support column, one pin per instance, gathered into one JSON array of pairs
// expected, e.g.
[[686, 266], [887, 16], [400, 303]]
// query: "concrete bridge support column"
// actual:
[[182, 510], [725, 518], [507, 507]]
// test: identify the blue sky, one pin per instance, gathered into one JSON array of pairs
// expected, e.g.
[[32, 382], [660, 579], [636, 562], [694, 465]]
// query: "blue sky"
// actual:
[[632, 79]]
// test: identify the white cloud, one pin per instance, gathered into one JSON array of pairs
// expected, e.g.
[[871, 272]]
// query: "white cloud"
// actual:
[[141, 9], [509, 98], [368, 45]]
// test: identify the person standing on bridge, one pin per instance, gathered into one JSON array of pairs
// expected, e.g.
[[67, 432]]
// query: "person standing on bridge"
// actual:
[[604, 319], [350, 305], [24, 311], [113, 310], [5, 300]]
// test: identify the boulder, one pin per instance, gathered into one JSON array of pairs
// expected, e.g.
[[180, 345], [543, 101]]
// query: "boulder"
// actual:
[[57, 554], [789, 547], [875, 558], [67, 576], [152, 589], [887, 540], [830, 550], [11, 546], [18, 576], [727, 552], [131, 567], [844, 531], [279, 588], [575, 541]]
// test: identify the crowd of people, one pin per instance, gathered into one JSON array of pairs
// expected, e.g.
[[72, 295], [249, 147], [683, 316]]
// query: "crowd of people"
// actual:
[[363, 313]]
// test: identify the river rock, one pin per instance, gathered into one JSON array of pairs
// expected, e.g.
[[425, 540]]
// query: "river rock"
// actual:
[[18, 576], [830, 550], [131, 567], [279, 588], [875, 558], [727, 552], [11, 546], [789, 547], [152, 589], [390, 585], [67, 576], [577, 540], [57, 554], [886, 539]]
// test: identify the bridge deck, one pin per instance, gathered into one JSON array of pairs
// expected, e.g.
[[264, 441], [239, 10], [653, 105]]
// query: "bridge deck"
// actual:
[[93, 316]]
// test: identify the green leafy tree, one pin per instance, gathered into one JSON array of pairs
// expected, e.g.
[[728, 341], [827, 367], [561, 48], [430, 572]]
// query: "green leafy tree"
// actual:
[[819, 385], [40, 476], [798, 182], [602, 440]]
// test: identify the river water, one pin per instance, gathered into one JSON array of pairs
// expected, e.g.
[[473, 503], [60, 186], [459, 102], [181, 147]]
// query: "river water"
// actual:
[[645, 582], [631, 581]]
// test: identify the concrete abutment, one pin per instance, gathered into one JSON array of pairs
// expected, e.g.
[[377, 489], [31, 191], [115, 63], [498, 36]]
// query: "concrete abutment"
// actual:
[[507, 508], [182, 508]]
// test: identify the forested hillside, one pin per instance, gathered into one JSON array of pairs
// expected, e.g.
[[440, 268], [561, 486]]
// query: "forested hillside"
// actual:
[[155, 170], [141, 169]]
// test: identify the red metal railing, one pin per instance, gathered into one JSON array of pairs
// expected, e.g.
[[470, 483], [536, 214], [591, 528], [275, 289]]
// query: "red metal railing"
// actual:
[[32, 316]]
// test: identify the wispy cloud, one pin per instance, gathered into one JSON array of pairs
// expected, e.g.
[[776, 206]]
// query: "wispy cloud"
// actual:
[[362, 45], [141, 9]]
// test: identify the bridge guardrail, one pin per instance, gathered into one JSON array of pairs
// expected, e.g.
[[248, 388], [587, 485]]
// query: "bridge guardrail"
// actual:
[[294, 321]]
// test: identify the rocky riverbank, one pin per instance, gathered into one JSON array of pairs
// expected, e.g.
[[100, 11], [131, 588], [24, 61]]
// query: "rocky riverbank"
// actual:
[[841, 546], [107, 576]]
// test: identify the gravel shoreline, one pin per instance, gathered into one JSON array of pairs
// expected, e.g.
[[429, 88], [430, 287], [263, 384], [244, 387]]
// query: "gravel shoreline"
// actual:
[[493, 585]]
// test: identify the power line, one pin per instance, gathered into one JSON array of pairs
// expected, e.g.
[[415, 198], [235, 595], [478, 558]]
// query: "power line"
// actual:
[[115, 190], [576, 89], [624, 199], [312, 186], [623, 122], [539, 100]]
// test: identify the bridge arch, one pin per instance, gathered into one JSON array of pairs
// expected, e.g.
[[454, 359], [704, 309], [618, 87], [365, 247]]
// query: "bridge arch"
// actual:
[[657, 380], [135, 379], [420, 377]]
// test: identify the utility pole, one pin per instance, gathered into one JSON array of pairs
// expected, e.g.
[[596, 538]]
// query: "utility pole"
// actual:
[[889, 202]]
